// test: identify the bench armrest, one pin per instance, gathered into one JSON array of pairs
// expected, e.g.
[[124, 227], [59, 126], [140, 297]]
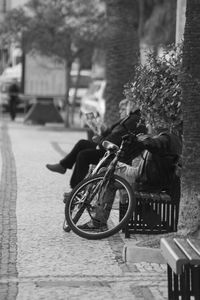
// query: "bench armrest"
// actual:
[[174, 257], [189, 252]]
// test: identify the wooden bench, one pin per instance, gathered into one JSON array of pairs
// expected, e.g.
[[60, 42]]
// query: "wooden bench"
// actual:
[[155, 213], [183, 267]]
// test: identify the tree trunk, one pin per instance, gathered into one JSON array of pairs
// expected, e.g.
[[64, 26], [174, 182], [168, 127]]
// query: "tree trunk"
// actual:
[[122, 52], [68, 67], [189, 216]]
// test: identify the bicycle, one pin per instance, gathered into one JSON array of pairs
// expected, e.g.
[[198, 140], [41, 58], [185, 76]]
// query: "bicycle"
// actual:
[[93, 170], [87, 196]]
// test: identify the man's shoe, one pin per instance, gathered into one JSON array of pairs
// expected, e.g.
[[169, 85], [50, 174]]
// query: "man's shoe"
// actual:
[[93, 226], [56, 168], [66, 197]]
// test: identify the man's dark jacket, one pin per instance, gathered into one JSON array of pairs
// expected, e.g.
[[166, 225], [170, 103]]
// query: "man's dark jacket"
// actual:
[[157, 167], [131, 123]]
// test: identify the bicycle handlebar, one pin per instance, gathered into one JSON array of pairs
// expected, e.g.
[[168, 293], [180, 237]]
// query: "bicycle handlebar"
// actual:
[[129, 132]]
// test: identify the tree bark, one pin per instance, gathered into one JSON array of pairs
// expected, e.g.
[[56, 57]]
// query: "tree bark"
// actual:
[[122, 52], [189, 216]]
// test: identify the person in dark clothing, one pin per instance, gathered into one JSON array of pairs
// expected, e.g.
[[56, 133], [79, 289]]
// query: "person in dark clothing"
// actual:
[[87, 152], [155, 173], [156, 169], [13, 92]]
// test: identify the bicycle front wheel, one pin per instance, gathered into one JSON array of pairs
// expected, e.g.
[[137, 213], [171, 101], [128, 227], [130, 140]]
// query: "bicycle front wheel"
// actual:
[[93, 209], [66, 227]]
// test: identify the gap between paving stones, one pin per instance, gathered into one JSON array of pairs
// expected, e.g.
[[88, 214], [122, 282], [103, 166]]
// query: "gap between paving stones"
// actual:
[[83, 279], [8, 222]]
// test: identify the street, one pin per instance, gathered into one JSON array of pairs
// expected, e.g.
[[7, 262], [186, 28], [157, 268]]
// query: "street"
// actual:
[[38, 259]]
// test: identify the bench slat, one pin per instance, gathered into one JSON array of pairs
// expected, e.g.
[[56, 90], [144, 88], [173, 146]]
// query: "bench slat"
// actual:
[[188, 251], [195, 244], [173, 255], [165, 197], [153, 196]]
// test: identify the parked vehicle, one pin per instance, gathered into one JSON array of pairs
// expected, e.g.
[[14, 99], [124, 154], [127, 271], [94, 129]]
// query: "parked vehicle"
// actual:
[[45, 77]]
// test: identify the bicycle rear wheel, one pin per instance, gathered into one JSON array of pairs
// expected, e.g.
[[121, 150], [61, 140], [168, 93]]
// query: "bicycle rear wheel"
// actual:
[[87, 198]]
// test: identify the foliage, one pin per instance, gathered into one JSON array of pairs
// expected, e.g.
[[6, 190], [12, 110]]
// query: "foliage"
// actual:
[[156, 88], [64, 29], [11, 28]]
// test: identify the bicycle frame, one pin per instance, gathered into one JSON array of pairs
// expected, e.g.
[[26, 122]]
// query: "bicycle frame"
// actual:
[[110, 150], [112, 165], [94, 192]]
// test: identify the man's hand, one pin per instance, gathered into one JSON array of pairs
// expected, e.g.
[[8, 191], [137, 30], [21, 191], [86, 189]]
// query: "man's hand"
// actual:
[[103, 128], [96, 139], [142, 137]]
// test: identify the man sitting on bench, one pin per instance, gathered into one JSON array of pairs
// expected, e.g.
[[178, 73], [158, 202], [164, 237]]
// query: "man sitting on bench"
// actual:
[[156, 172]]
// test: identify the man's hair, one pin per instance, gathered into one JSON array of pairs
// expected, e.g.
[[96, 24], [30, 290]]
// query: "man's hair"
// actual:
[[123, 102]]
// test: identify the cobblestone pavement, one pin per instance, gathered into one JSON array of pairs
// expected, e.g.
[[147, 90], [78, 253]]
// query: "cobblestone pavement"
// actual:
[[38, 260]]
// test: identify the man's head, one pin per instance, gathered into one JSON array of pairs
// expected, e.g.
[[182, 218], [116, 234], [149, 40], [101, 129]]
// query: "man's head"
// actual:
[[175, 127], [123, 108], [131, 106]]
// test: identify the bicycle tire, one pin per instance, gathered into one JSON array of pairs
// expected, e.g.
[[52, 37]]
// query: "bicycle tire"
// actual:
[[81, 199], [66, 227]]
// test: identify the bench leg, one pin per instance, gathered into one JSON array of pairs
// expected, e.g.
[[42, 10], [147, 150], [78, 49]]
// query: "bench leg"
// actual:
[[178, 285], [185, 283], [127, 232], [169, 279], [195, 282]]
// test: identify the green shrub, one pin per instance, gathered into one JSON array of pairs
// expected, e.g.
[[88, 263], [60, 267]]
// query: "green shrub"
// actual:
[[156, 88]]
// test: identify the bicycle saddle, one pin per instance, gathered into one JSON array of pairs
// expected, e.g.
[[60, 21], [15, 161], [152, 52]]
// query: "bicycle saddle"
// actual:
[[110, 146]]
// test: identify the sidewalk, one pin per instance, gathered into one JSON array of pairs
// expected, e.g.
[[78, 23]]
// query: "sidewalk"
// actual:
[[38, 259]]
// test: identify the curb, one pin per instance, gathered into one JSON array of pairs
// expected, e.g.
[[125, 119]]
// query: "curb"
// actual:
[[134, 254]]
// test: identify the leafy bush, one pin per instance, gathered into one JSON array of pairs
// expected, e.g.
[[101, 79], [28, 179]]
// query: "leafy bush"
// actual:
[[156, 88]]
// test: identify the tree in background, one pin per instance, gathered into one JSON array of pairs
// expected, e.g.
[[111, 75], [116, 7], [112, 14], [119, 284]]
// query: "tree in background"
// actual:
[[157, 22], [171, 91], [131, 23], [122, 51], [56, 28], [68, 29], [189, 217]]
